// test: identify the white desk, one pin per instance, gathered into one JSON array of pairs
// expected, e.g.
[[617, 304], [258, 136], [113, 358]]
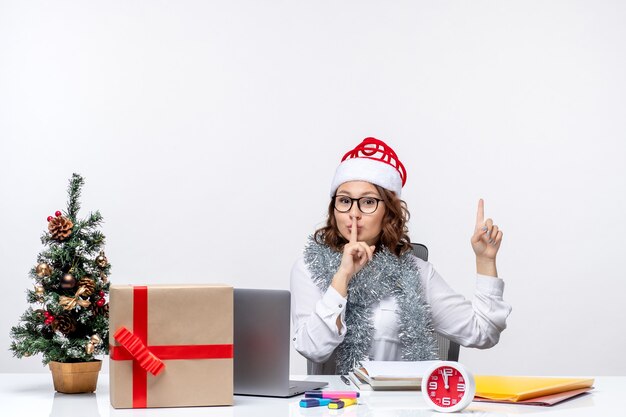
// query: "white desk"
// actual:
[[25, 395]]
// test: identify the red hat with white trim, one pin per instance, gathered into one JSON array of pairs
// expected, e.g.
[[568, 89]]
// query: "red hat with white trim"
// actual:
[[372, 161]]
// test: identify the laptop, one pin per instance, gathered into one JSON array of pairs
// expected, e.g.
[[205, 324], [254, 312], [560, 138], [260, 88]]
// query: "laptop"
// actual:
[[262, 344]]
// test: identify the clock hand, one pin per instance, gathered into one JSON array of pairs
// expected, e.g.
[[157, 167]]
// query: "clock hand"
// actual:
[[445, 379]]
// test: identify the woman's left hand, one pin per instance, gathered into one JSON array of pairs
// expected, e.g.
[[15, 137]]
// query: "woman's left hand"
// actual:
[[487, 236]]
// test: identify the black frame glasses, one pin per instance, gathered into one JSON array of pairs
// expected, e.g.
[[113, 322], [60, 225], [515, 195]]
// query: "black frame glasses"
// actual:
[[358, 203]]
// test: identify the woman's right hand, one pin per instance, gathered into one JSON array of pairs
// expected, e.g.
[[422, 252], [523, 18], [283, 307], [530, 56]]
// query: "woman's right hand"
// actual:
[[355, 255]]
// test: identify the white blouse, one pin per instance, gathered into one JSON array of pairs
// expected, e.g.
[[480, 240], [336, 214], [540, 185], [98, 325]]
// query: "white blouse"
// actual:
[[477, 323]]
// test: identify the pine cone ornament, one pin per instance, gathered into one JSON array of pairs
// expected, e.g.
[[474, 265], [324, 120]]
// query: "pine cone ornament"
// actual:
[[89, 284], [60, 228], [100, 310], [64, 324]]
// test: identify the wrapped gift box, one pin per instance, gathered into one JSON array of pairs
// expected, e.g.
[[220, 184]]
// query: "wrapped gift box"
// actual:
[[171, 345]]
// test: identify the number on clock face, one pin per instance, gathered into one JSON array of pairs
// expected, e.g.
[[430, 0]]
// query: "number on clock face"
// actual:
[[446, 386]]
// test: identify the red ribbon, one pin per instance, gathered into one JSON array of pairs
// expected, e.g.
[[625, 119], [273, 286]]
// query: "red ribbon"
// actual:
[[149, 358]]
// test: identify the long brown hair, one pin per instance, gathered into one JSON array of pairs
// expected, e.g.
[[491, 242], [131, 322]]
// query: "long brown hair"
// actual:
[[394, 234]]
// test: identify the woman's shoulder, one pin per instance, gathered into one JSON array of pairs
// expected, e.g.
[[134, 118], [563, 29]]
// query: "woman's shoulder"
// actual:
[[299, 263], [299, 268], [301, 281]]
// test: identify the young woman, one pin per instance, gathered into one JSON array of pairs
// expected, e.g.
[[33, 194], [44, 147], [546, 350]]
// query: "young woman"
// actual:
[[359, 293]]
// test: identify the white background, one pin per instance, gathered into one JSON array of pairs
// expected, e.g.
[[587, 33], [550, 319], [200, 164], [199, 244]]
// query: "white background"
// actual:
[[208, 134]]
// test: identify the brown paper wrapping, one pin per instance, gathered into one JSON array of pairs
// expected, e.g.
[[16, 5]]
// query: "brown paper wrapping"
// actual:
[[177, 315]]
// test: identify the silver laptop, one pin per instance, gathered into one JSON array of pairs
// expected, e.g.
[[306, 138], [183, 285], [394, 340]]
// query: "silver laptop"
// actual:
[[262, 345]]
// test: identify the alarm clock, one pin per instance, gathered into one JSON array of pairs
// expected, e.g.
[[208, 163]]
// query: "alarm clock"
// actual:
[[448, 386]]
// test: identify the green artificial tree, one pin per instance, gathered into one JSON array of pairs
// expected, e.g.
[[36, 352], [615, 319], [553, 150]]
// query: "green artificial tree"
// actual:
[[70, 320]]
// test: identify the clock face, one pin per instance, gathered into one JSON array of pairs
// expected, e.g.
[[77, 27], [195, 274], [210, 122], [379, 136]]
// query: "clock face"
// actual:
[[447, 388]]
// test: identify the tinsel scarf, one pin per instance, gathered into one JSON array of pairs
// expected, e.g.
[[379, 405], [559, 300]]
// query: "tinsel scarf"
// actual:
[[385, 275]]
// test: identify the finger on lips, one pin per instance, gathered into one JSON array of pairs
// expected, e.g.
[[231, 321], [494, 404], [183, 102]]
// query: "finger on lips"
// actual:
[[353, 230]]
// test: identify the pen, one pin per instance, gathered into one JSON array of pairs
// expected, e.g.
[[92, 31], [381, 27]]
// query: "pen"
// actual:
[[342, 403], [314, 402], [333, 395], [345, 380]]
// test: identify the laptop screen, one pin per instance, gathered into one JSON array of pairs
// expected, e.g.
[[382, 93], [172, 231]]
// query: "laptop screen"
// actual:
[[261, 341]]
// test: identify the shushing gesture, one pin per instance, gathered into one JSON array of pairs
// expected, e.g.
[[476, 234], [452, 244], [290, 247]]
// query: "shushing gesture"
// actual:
[[355, 253], [486, 239]]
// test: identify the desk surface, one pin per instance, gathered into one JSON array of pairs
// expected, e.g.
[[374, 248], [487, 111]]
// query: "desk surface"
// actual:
[[33, 395]]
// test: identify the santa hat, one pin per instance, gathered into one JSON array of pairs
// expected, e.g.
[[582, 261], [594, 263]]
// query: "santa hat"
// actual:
[[372, 161]]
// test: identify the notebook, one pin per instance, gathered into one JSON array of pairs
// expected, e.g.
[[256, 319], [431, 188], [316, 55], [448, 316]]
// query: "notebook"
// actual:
[[262, 344], [387, 383], [392, 375], [359, 382]]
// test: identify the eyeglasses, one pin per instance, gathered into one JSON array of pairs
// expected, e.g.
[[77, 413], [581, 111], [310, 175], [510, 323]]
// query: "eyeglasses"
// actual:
[[367, 205]]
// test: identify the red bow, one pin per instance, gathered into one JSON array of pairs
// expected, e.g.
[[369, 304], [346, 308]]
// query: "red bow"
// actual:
[[140, 352]]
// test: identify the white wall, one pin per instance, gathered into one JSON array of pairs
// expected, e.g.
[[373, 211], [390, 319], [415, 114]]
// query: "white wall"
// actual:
[[208, 133]]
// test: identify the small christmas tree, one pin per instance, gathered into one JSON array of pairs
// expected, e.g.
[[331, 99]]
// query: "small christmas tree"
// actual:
[[71, 321]]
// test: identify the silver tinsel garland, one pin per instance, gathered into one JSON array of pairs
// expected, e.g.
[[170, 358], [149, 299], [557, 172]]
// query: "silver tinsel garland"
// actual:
[[385, 275]]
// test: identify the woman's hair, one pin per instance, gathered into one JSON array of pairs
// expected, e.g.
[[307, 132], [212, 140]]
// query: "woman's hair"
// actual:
[[394, 233]]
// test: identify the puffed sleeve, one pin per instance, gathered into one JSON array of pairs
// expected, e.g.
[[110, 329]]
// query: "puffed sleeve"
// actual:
[[476, 323], [314, 315]]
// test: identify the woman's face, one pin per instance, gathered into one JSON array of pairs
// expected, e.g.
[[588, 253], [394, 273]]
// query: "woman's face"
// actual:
[[369, 226]]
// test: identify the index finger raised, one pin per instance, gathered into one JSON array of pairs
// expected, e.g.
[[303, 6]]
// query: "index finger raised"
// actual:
[[480, 214], [353, 231]]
